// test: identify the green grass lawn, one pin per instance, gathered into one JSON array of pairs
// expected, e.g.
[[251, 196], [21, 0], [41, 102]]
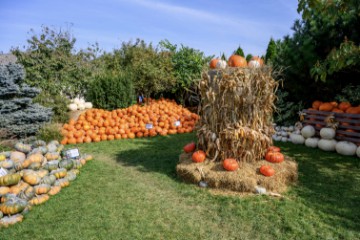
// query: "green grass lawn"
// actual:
[[131, 191]]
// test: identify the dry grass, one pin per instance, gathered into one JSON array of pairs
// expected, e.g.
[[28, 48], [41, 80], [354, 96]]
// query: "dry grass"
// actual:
[[245, 179], [236, 108]]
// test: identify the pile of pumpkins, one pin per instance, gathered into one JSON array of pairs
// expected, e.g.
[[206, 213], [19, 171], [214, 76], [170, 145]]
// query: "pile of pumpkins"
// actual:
[[342, 107], [326, 142], [156, 117], [79, 104], [236, 61], [31, 174]]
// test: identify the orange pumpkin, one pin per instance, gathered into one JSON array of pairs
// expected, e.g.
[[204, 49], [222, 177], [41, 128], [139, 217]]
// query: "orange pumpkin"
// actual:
[[344, 106], [237, 61], [190, 147], [273, 148], [316, 104], [213, 63], [274, 157], [337, 110], [230, 164], [327, 107], [198, 156], [267, 170]]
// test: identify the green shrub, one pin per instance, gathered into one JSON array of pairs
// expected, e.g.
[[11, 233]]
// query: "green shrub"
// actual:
[[111, 91], [49, 132], [57, 103], [350, 93], [286, 111]]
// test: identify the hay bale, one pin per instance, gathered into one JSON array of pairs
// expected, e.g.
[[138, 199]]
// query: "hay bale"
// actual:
[[245, 179], [236, 113]]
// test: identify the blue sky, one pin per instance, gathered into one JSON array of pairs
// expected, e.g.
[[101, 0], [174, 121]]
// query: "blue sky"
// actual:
[[210, 26]]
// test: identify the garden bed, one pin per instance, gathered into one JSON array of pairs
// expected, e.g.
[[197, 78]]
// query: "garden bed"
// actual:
[[245, 179]]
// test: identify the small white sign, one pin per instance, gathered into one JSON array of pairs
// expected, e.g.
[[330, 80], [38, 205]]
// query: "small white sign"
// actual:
[[149, 126], [177, 123], [72, 153], [3, 172]]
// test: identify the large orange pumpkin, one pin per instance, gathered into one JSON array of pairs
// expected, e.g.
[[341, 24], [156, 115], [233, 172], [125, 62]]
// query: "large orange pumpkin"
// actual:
[[198, 156], [327, 107], [267, 170], [344, 105], [316, 104], [190, 147], [213, 63], [237, 61], [230, 164], [274, 157]]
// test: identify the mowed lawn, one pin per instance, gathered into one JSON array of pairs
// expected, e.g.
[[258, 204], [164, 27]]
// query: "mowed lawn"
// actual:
[[131, 191]]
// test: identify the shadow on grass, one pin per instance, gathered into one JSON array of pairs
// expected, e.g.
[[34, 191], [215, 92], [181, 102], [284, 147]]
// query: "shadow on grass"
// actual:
[[157, 154], [329, 183]]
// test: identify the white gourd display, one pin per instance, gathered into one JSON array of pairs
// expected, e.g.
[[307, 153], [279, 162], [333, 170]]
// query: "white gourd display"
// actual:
[[327, 133], [346, 148], [312, 142], [308, 131], [358, 151], [327, 144]]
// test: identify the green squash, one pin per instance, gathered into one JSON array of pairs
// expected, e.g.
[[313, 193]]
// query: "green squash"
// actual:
[[66, 163], [27, 194], [13, 205], [10, 179], [21, 147], [52, 165], [48, 180], [71, 176]]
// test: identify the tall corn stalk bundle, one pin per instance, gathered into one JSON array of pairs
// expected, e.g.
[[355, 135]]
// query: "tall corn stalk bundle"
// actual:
[[236, 113]]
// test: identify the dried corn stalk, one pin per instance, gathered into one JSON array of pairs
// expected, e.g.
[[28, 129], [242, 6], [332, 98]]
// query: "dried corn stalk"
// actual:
[[236, 111]]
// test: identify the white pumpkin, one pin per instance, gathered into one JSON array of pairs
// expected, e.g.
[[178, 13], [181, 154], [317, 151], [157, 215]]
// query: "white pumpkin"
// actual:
[[221, 64], [297, 139], [312, 142], [284, 134], [308, 131], [72, 107], [81, 106], [277, 138], [327, 144], [358, 151], [327, 133], [76, 101], [284, 139], [291, 128], [88, 105], [346, 148], [297, 131], [277, 128], [82, 100], [254, 64]]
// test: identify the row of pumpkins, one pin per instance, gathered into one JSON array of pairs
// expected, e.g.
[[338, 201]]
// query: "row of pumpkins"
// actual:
[[326, 142], [273, 155], [31, 174], [236, 61], [156, 117], [79, 104], [342, 107]]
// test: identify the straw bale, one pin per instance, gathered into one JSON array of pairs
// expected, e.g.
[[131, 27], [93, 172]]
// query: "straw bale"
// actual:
[[245, 179]]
